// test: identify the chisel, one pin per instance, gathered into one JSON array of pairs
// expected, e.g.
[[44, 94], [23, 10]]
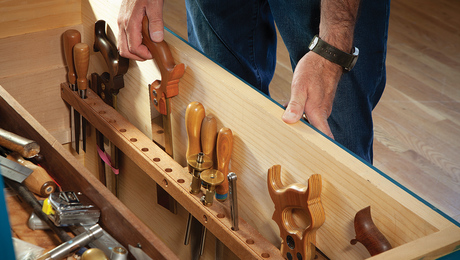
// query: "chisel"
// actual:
[[70, 38], [81, 56]]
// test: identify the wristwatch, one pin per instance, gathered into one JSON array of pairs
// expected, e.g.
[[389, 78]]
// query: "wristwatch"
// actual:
[[331, 53]]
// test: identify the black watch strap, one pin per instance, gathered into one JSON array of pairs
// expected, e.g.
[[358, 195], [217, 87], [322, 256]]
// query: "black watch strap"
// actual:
[[331, 53]]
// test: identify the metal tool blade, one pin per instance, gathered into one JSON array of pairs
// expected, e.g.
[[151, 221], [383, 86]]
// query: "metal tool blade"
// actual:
[[13, 171]]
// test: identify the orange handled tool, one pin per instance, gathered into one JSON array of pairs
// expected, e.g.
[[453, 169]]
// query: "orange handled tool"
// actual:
[[224, 149]]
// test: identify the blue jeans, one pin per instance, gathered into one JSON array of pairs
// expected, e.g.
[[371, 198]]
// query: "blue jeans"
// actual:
[[240, 35]]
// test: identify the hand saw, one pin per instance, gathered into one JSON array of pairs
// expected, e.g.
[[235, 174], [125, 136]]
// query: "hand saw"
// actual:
[[161, 92]]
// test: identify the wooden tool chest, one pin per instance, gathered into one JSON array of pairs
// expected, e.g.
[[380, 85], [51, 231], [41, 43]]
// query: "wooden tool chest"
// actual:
[[34, 103]]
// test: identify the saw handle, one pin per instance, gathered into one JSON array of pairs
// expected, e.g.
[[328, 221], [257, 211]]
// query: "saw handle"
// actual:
[[171, 73], [70, 38], [224, 149], [81, 56], [117, 65]]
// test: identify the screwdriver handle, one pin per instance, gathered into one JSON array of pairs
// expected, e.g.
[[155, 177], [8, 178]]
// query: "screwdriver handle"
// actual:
[[194, 115], [81, 56], [209, 136], [224, 149], [70, 38]]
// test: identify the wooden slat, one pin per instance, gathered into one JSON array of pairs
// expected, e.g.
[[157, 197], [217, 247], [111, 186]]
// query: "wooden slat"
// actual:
[[169, 174]]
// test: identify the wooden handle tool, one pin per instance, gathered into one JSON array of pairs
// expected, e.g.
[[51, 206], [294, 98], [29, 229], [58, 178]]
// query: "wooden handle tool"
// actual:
[[70, 38], [368, 234], [296, 241], [194, 115], [25, 147], [209, 136], [39, 182], [81, 56], [224, 149]]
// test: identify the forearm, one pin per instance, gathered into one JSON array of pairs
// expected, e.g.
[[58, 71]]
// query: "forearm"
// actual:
[[337, 24]]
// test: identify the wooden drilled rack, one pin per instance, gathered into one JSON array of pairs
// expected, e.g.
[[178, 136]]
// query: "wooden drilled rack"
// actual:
[[245, 243]]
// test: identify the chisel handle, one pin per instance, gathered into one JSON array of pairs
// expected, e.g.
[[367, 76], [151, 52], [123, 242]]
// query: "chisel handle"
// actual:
[[81, 56], [39, 182], [70, 38], [224, 149], [194, 115], [209, 136]]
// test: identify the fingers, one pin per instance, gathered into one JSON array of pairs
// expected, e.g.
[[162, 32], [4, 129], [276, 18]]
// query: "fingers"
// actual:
[[130, 27]]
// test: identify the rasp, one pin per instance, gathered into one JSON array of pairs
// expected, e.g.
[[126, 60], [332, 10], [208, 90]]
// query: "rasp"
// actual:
[[161, 92]]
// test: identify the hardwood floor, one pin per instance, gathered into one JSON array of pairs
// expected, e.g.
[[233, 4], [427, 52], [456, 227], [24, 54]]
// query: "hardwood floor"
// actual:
[[417, 122]]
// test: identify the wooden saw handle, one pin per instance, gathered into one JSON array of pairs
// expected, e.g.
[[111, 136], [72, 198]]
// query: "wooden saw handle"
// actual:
[[224, 149], [171, 73], [368, 234], [194, 115]]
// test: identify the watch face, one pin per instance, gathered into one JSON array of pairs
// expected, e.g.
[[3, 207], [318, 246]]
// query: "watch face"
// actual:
[[313, 43]]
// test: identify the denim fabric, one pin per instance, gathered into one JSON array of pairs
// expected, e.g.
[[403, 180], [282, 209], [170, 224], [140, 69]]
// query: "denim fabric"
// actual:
[[241, 36]]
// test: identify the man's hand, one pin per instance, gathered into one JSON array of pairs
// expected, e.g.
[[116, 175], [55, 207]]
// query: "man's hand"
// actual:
[[312, 91], [130, 27]]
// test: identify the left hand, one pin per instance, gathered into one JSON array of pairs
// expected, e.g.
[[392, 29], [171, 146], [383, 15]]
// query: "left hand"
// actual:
[[313, 88]]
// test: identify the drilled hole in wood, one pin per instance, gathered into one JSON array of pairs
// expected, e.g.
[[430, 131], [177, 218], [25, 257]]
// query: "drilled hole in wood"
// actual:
[[265, 255], [180, 180], [168, 170], [156, 159], [205, 218], [111, 121], [145, 149], [133, 140], [220, 215], [102, 112], [123, 130], [160, 132], [165, 182], [249, 241]]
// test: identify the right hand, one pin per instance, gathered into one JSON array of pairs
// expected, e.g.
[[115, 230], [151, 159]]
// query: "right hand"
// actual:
[[130, 27]]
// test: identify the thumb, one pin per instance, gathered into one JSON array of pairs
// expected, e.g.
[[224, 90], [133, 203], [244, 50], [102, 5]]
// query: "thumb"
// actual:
[[295, 108], [156, 25]]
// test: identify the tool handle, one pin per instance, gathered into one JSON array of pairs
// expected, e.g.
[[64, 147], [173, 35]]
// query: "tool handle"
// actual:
[[81, 56], [70, 38], [194, 115], [117, 65], [171, 73], [39, 182], [224, 149], [209, 136], [27, 148]]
